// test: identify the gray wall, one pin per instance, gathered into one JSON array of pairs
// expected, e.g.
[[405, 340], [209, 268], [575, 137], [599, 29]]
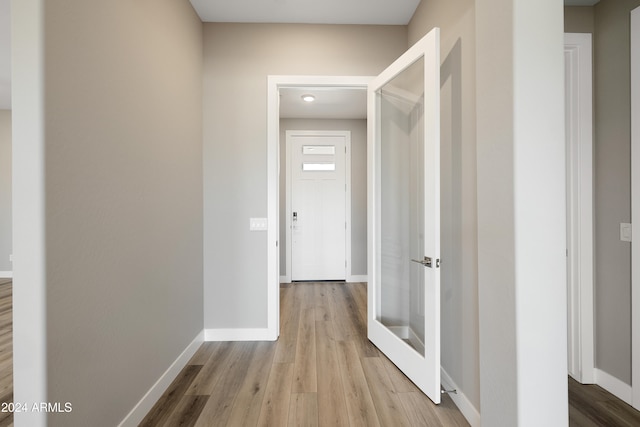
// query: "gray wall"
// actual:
[[608, 21], [579, 19], [121, 122], [612, 186], [237, 60], [5, 190], [358, 130], [459, 246]]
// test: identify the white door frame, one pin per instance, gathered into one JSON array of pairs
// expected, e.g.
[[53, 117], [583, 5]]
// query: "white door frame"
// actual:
[[347, 135], [580, 293], [635, 207], [274, 83]]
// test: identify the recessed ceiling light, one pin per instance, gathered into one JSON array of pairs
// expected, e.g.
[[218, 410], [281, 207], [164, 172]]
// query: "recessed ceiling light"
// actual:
[[308, 98]]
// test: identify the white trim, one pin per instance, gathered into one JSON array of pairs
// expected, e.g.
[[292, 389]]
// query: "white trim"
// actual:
[[460, 399], [613, 385], [347, 207], [355, 278], [274, 83], [31, 367], [156, 391], [285, 279], [273, 201], [240, 334], [635, 205], [579, 135], [6, 274]]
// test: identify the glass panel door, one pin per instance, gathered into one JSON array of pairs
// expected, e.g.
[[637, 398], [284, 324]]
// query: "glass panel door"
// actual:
[[404, 206]]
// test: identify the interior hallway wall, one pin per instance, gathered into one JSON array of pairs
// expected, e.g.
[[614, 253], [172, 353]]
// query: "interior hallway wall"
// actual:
[[119, 110], [608, 21], [459, 245], [237, 60], [358, 128], [579, 19], [612, 187], [5, 191]]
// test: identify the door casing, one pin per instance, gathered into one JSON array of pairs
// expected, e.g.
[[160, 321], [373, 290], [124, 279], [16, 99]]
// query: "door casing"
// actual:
[[635, 207], [579, 125]]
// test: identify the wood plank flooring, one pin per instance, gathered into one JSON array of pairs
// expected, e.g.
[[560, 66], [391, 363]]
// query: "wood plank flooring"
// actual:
[[6, 349], [324, 372], [593, 406], [321, 372]]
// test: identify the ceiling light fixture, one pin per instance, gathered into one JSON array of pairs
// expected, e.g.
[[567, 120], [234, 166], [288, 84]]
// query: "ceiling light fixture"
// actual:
[[308, 98]]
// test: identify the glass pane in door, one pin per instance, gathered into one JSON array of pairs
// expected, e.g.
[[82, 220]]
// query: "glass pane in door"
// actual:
[[402, 216]]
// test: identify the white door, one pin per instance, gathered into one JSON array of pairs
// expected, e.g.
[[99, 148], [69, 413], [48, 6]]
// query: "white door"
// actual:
[[318, 205], [404, 209]]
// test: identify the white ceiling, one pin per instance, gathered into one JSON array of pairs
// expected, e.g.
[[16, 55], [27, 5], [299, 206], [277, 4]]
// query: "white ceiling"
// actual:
[[330, 103], [387, 12], [281, 11]]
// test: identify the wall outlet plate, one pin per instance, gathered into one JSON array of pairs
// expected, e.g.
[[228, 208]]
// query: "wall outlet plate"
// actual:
[[625, 231]]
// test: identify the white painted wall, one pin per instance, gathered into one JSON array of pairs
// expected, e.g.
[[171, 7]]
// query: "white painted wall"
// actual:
[[237, 60], [521, 213], [29, 265], [108, 219], [5, 191]]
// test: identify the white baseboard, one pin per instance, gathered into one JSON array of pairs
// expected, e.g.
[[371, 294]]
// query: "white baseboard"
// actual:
[[143, 407], [350, 279], [466, 407], [6, 274], [618, 388], [240, 334]]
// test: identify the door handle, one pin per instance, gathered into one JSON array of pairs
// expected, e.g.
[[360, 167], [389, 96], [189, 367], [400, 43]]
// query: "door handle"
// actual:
[[427, 262]]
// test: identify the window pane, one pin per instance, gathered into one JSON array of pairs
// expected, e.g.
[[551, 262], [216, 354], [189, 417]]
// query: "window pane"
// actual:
[[318, 167], [318, 149]]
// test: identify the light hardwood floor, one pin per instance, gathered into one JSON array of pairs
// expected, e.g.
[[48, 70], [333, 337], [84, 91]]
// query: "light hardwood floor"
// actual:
[[6, 350], [321, 372], [324, 372]]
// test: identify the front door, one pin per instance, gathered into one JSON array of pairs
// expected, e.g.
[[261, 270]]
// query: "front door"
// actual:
[[318, 204], [404, 207]]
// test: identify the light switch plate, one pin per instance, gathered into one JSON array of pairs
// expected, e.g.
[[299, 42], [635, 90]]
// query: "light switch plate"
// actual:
[[257, 224], [625, 231]]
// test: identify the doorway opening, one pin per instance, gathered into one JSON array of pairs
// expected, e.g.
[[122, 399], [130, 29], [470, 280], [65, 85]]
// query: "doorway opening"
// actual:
[[282, 90]]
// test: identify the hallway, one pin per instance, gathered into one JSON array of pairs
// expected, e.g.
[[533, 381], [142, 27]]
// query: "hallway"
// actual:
[[325, 373], [322, 371]]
